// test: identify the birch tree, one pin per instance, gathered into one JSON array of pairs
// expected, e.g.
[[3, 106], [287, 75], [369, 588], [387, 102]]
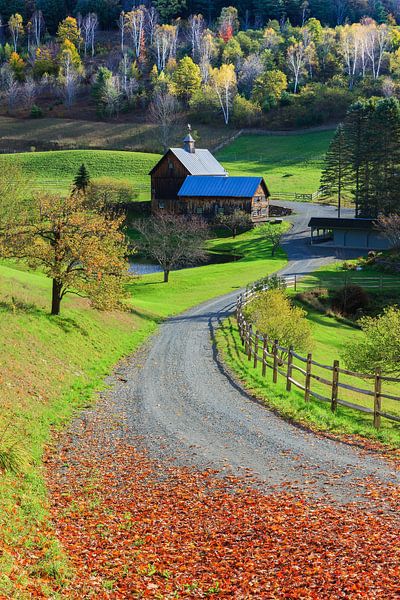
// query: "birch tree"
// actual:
[[165, 41], [296, 56], [376, 43], [16, 28], [122, 28], [89, 27], [350, 44], [196, 28], [224, 84], [135, 27], [152, 20]]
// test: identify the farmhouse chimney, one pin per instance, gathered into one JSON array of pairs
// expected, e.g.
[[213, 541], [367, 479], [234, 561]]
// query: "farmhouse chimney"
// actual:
[[188, 142]]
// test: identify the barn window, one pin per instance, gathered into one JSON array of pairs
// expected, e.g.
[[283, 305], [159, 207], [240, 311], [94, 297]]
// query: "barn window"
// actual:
[[199, 210], [161, 205], [170, 166], [263, 211]]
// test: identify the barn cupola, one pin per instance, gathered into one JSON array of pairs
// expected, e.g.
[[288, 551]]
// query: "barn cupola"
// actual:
[[188, 142]]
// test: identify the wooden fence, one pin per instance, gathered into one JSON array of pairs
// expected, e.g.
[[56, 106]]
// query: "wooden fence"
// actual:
[[380, 282], [282, 361]]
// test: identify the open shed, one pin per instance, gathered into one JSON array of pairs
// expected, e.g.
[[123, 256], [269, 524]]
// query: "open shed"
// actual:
[[347, 233]]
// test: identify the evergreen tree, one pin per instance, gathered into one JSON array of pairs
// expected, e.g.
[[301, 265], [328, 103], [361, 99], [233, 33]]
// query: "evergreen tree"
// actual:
[[82, 179], [53, 11], [336, 175]]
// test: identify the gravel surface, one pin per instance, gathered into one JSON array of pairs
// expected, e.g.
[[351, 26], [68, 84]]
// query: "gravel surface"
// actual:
[[180, 401]]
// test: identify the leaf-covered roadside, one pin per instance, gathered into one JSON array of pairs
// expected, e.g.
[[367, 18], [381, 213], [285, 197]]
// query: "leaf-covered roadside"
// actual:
[[135, 528]]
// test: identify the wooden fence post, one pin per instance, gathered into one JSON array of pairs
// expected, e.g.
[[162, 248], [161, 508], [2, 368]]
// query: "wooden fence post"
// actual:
[[308, 378], [289, 369], [275, 354], [335, 386], [264, 360], [256, 351], [249, 349], [295, 282], [377, 398]]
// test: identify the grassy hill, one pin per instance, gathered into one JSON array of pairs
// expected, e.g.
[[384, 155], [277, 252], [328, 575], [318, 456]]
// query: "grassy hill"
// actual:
[[289, 163], [55, 170]]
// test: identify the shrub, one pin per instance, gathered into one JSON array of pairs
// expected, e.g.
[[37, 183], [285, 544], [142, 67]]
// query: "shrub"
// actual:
[[36, 112], [272, 282], [272, 313], [349, 299], [380, 345], [245, 112]]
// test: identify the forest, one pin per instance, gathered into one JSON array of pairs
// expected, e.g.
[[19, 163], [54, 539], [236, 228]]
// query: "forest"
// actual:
[[268, 64]]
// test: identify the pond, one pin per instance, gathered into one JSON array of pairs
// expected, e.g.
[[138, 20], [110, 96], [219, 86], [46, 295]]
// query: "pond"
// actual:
[[141, 266]]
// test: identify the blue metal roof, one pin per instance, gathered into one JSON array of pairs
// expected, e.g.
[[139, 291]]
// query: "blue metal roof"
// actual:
[[221, 187]]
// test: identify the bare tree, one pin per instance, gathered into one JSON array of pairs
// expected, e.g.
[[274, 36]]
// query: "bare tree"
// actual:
[[111, 96], [164, 112], [165, 40], [135, 26], [129, 83], [152, 20], [196, 28], [29, 92], [252, 68], [234, 221], [172, 240], [122, 28], [389, 226], [89, 27], [68, 79]]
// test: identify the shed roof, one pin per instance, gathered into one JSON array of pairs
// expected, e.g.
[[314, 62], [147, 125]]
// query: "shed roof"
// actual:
[[200, 162], [221, 187], [336, 223]]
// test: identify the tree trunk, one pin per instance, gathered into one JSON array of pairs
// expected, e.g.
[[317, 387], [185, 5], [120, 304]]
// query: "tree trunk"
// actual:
[[166, 276], [56, 297]]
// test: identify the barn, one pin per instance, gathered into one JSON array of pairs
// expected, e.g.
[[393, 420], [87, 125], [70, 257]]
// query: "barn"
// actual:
[[169, 174], [347, 233], [211, 196], [191, 181]]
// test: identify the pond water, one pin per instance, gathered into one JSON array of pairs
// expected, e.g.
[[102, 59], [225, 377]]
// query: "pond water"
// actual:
[[141, 266]]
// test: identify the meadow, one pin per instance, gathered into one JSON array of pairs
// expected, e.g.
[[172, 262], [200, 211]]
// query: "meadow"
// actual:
[[52, 366], [289, 163]]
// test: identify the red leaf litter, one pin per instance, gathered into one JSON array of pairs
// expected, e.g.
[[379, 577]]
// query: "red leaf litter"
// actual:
[[136, 528]]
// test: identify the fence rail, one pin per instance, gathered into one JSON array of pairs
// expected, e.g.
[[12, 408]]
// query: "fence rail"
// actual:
[[270, 355], [369, 282]]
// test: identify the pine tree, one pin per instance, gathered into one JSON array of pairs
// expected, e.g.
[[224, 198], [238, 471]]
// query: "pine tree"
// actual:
[[336, 175], [82, 179]]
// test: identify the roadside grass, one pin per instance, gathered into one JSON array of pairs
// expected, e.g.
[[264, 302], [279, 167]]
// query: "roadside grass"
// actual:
[[289, 163], [61, 167], [51, 367], [330, 336]]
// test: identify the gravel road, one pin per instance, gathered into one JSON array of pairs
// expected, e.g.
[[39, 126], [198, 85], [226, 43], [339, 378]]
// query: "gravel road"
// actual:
[[180, 401]]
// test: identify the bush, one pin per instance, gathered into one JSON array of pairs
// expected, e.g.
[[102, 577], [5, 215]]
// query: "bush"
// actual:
[[350, 299], [245, 112], [380, 346], [272, 282], [108, 192], [36, 112], [272, 314]]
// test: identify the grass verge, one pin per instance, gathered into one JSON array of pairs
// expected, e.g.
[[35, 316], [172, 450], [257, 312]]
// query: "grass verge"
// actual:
[[51, 366]]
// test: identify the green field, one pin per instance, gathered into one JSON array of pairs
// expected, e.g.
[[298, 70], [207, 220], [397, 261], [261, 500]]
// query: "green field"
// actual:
[[54, 171], [289, 163], [50, 367]]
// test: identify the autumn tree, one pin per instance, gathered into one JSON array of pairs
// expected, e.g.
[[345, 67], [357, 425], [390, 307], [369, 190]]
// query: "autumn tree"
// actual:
[[68, 30], [172, 240], [82, 251], [235, 221], [224, 84], [186, 78], [16, 28]]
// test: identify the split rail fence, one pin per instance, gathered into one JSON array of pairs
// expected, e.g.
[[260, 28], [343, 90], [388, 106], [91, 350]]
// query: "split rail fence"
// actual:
[[328, 379]]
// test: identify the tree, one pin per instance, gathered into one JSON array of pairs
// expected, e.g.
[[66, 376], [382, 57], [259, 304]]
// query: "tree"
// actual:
[[15, 25], [82, 179], [89, 26], [17, 66], [70, 71], [172, 240], [224, 83], [186, 78], [296, 56], [38, 26], [336, 176], [53, 12], [379, 346], [272, 234], [68, 30], [168, 9], [83, 251], [135, 26], [268, 88], [165, 38], [235, 221], [109, 193], [164, 112], [389, 226], [273, 315]]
